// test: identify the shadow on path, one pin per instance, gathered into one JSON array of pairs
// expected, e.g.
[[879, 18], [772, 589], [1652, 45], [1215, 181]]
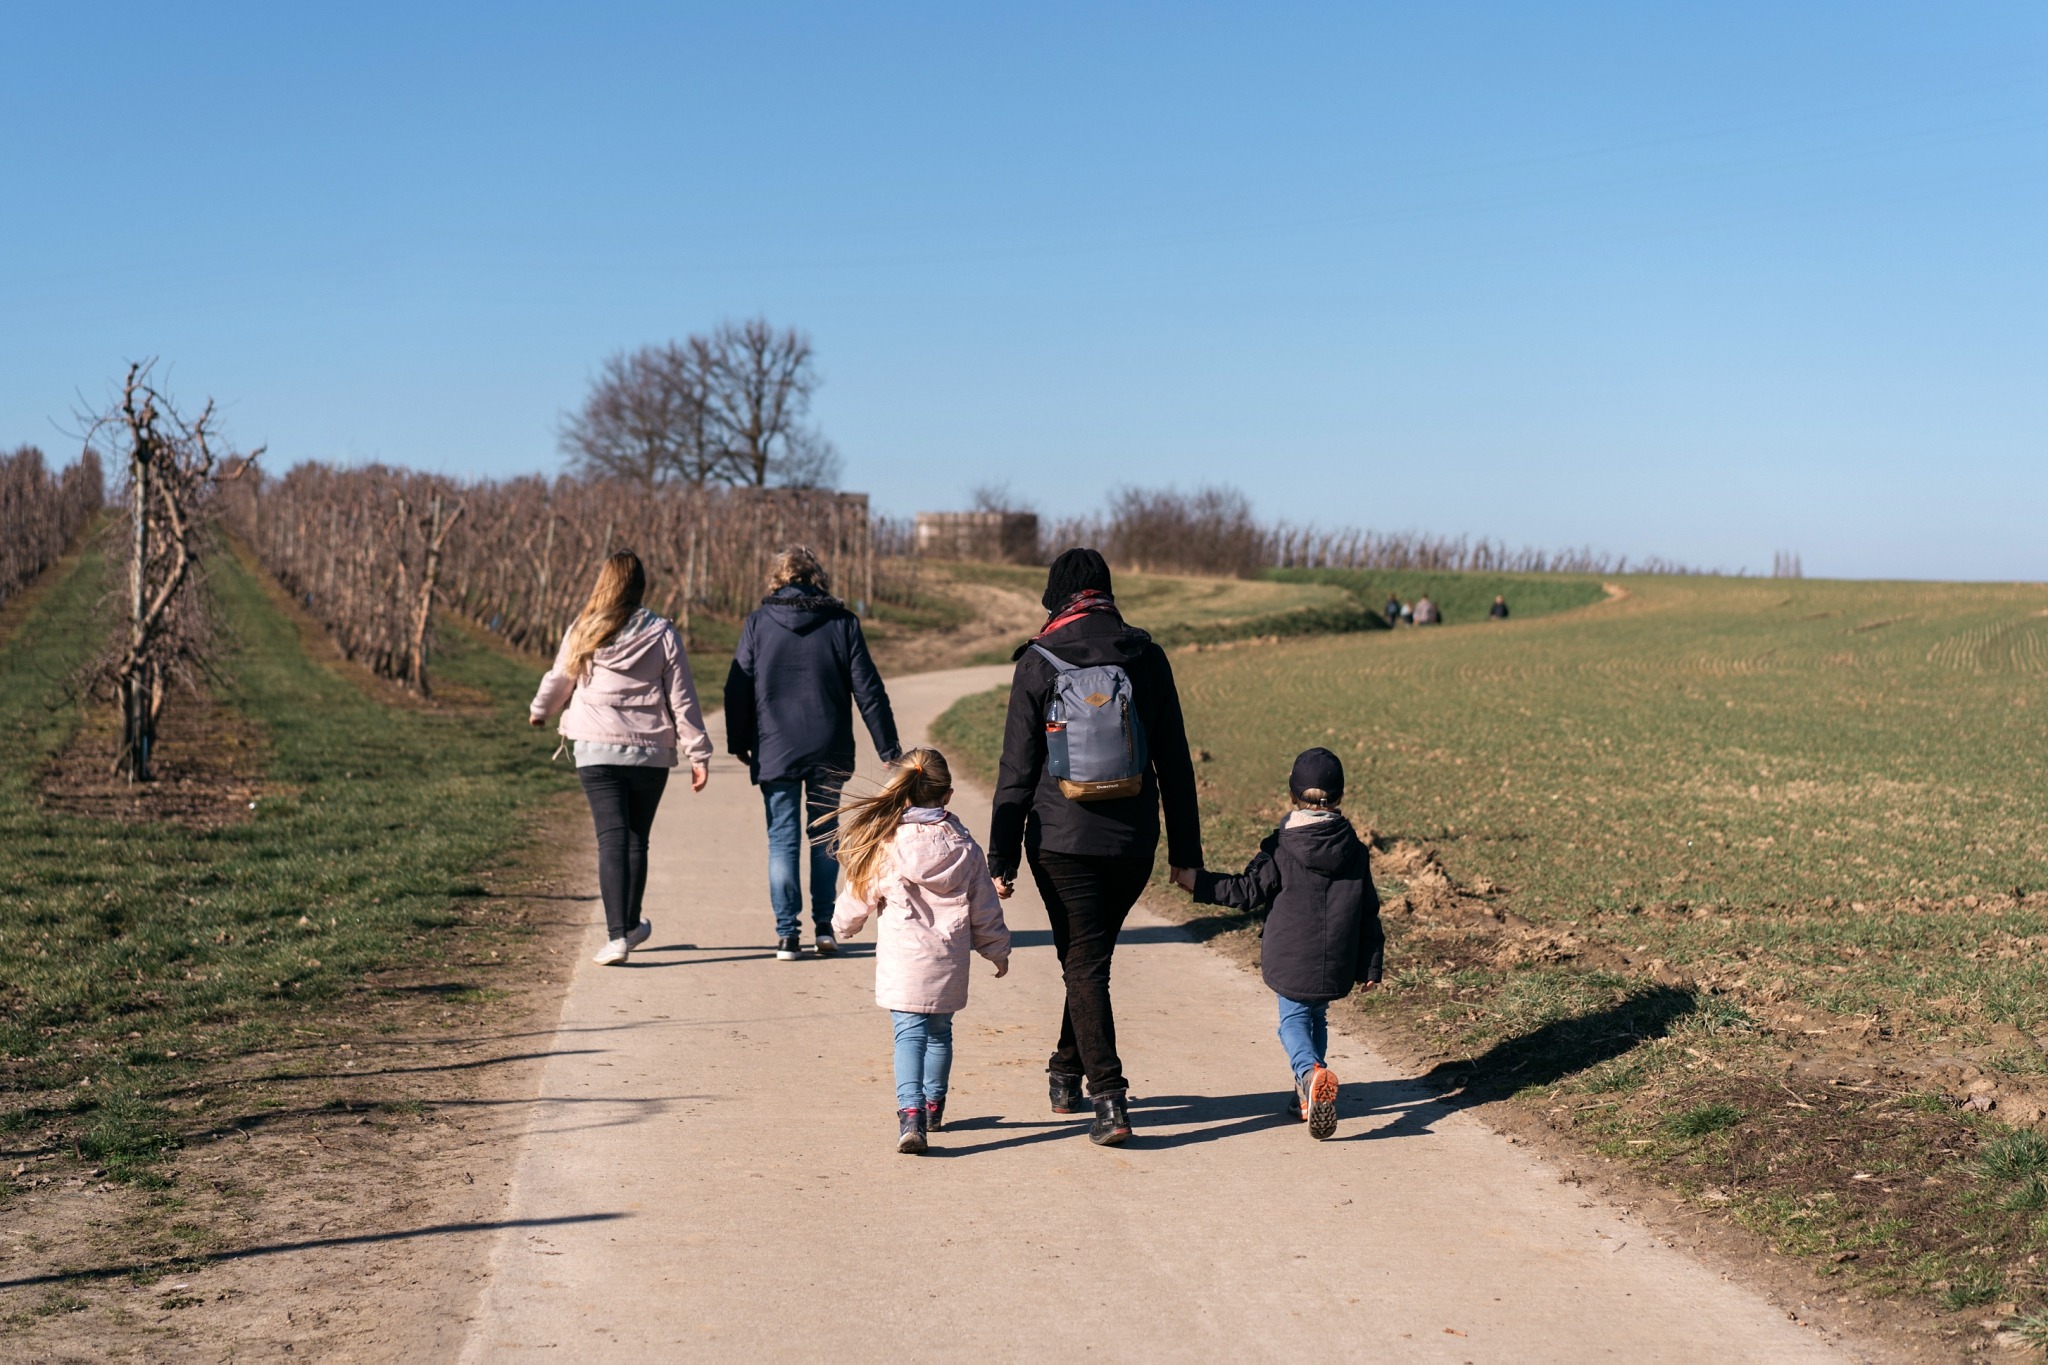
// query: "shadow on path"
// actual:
[[194, 1262]]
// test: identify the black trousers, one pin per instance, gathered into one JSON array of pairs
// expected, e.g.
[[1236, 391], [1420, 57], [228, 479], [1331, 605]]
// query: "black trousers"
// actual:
[[622, 805], [1087, 899]]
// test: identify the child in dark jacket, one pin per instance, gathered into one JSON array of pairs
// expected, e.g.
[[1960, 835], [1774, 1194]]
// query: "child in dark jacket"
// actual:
[[1322, 929]]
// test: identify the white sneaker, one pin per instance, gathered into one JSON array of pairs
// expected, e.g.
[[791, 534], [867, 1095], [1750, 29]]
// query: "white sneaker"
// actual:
[[637, 936], [613, 953]]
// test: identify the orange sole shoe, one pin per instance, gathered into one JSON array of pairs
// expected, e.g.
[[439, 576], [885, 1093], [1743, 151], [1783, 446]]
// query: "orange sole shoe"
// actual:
[[1322, 1103]]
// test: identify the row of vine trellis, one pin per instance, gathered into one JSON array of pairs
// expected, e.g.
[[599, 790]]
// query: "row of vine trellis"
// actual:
[[370, 551]]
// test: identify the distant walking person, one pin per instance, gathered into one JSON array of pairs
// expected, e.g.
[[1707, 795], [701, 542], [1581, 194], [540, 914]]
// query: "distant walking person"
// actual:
[[912, 865], [1499, 610], [800, 665], [631, 708], [1392, 611], [1093, 746], [1426, 613]]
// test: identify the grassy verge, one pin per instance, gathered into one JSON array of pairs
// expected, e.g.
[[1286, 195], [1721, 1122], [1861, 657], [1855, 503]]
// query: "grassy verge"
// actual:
[[139, 956], [1735, 883], [1180, 609]]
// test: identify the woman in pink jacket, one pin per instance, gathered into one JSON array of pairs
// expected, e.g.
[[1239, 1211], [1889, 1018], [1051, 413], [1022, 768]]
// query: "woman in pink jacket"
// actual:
[[631, 709], [913, 865]]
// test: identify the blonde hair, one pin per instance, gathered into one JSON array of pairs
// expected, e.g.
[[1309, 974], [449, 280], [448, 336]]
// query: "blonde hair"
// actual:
[[621, 584], [798, 564], [867, 824]]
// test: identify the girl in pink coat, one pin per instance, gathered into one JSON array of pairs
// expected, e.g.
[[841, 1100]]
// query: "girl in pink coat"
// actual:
[[912, 864]]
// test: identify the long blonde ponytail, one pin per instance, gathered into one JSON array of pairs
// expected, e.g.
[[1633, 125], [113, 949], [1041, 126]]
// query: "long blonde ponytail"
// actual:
[[867, 824], [621, 584]]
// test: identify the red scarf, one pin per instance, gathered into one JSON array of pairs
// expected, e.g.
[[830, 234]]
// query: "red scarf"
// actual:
[[1083, 603]]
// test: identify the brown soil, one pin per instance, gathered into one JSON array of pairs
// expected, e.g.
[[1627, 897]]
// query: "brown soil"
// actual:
[[335, 1198], [207, 768]]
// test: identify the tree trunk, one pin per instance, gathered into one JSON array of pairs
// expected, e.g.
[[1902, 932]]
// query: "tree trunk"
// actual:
[[133, 757]]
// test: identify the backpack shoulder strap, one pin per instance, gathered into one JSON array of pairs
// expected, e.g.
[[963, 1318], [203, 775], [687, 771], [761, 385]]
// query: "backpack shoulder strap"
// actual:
[[1059, 664]]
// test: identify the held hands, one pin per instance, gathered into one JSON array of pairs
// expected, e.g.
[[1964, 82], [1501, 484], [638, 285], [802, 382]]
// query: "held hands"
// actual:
[[700, 773], [1184, 878]]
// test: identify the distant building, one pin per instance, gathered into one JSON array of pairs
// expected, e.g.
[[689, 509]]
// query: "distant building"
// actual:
[[1001, 537]]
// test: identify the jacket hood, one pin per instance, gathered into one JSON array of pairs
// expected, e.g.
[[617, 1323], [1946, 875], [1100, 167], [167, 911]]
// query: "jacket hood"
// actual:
[[1324, 843], [636, 639], [800, 610], [1100, 637], [939, 855]]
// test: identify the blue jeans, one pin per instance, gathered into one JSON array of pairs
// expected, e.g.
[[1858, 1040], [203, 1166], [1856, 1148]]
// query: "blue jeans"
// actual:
[[792, 807], [924, 1057], [1304, 1032]]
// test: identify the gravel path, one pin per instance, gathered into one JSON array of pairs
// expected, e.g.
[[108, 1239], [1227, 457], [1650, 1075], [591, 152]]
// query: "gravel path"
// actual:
[[712, 1170]]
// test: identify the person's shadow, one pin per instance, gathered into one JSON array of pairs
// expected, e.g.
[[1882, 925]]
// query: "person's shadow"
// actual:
[[1540, 1057]]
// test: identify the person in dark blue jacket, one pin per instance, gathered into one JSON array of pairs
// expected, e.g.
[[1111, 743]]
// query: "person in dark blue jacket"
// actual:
[[801, 664]]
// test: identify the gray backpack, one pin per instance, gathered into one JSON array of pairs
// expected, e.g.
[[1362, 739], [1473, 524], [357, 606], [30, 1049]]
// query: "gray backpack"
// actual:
[[1094, 741]]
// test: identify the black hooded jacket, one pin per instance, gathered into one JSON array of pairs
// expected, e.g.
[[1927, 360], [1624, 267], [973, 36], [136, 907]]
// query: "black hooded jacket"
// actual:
[[800, 665], [1030, 810], [1322, 934]]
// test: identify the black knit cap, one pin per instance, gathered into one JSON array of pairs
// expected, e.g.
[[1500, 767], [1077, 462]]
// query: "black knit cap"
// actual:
[[1075, 571], [1318, 776]]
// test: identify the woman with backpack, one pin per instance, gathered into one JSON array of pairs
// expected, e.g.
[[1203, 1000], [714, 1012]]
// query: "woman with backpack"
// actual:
[[1093, 747], [631, 708]]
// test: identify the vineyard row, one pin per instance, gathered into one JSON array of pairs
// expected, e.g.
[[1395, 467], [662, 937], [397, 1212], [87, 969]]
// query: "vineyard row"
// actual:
[[41, 512], [369, 551]]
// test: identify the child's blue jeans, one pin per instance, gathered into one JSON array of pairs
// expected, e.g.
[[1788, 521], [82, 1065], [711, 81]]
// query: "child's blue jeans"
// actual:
[[924, 1057], [1304, 1032]]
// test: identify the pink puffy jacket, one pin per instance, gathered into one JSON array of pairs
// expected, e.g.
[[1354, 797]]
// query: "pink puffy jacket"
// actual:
[[936, 906], [639, 692]]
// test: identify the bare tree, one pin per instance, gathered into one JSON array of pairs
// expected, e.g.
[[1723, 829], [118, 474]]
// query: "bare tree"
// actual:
[[173, 467], [646, 421], [758, 384], [722, 408], [433, 529], [997, 497], [41, 512]]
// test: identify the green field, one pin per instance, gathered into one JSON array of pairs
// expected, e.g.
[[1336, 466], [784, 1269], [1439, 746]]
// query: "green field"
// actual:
[[1182, 609], [140, 955], [1747, 825]]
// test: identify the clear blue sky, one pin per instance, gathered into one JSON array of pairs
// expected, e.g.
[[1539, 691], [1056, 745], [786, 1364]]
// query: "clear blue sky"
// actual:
[[1702, 281]]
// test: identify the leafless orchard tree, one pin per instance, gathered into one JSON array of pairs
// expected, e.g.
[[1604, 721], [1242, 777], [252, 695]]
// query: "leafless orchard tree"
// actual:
[[41, 512], [173, 466], [724, 408], [366, 552]]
